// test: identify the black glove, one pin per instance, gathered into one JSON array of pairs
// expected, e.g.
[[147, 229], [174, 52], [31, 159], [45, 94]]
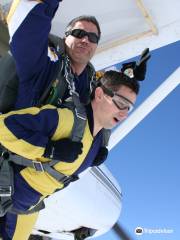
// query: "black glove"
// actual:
[[140, 69], [65, 150], [137, 70], [101, 156]]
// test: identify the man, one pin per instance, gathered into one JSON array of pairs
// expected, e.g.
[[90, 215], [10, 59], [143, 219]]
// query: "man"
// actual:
[[37, 64], [33, 132]]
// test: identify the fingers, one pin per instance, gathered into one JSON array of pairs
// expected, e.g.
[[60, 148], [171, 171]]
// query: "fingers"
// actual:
[[144, 56], [145, 52]]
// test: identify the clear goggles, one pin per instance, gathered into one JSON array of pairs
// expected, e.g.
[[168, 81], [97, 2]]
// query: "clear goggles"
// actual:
[[121, 102]]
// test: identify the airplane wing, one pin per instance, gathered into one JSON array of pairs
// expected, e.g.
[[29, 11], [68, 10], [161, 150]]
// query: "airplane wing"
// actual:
[[94, 202]]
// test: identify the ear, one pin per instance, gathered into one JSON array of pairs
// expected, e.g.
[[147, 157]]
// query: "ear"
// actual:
[[99, 94]]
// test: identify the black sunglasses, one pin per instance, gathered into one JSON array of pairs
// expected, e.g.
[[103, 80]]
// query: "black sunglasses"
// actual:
[[80, 33]]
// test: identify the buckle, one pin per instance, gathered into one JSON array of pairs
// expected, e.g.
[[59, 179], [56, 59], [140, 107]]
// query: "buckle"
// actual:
[[74, 178], [72, 91], [5, 207], [80, 115], [66, 180], [5, 155], [5, 191], [38, 166]]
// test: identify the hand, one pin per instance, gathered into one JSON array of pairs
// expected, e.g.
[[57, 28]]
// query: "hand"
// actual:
[[65, 150], [101, 156], [137, 70], [140, 69]]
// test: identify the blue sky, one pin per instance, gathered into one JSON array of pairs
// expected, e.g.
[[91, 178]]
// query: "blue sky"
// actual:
[[146, 162]]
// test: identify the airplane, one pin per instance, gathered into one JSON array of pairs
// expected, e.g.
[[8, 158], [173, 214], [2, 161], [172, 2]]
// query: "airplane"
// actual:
[[127, 28]]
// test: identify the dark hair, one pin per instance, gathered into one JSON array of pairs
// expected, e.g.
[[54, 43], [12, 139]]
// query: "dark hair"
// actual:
[[113, 80], [87, 18]]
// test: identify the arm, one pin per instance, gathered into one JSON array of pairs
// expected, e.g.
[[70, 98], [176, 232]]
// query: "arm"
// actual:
[[29, 26], [26, 132]]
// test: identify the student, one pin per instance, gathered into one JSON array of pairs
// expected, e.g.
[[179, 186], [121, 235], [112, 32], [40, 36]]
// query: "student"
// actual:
[[33, 132]]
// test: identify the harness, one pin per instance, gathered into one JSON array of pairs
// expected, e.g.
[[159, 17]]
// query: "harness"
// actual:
[[80, 120], [7, 178]]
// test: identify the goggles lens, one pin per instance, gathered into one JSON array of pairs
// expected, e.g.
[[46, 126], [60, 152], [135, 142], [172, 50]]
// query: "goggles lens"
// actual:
[[80, 33], [121, 102]]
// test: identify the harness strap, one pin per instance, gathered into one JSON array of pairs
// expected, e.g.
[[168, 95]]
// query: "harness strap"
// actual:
[[42, 167], [36, 208], [7, 183], [58, 44], [78, 128], [55, 98], [45, 96], [6, 186], [5, 205], [106, 136], [80, 116]]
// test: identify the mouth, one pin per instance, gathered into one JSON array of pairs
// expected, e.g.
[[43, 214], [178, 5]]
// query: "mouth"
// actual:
[[84, 48], [116, 120]]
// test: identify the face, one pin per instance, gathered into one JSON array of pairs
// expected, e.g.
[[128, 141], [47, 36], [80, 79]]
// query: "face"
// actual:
[[81, 50], [109, 113]]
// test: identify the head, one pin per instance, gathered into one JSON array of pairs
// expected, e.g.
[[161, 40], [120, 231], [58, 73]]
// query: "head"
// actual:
[[81, 39], [113, 98]]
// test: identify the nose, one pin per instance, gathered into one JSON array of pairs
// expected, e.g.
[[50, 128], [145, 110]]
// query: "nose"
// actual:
[[85, 39]]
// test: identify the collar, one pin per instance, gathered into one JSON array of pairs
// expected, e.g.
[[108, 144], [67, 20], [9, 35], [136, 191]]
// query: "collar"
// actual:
[[90, 117]]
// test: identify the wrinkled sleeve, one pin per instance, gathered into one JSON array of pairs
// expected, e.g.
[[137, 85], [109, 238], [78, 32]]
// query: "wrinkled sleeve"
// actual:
[[26, 132], [29, 24]]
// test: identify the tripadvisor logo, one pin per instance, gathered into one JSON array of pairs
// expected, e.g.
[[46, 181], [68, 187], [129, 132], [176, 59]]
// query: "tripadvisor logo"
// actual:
[[139, 231]]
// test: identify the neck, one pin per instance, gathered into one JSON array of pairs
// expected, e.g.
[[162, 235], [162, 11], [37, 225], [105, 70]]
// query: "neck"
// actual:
[[97, 123], [78, 68]]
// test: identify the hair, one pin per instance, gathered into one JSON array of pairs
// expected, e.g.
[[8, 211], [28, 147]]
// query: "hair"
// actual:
[[87, 18], [113, 80]]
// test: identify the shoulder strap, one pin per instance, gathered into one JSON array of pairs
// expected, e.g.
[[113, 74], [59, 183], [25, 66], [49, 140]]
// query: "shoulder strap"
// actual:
[[64, 79], [80, 119], [91, 76], [58, 91], [80, 116], [45, 96], [58, 44], [106, 136]]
